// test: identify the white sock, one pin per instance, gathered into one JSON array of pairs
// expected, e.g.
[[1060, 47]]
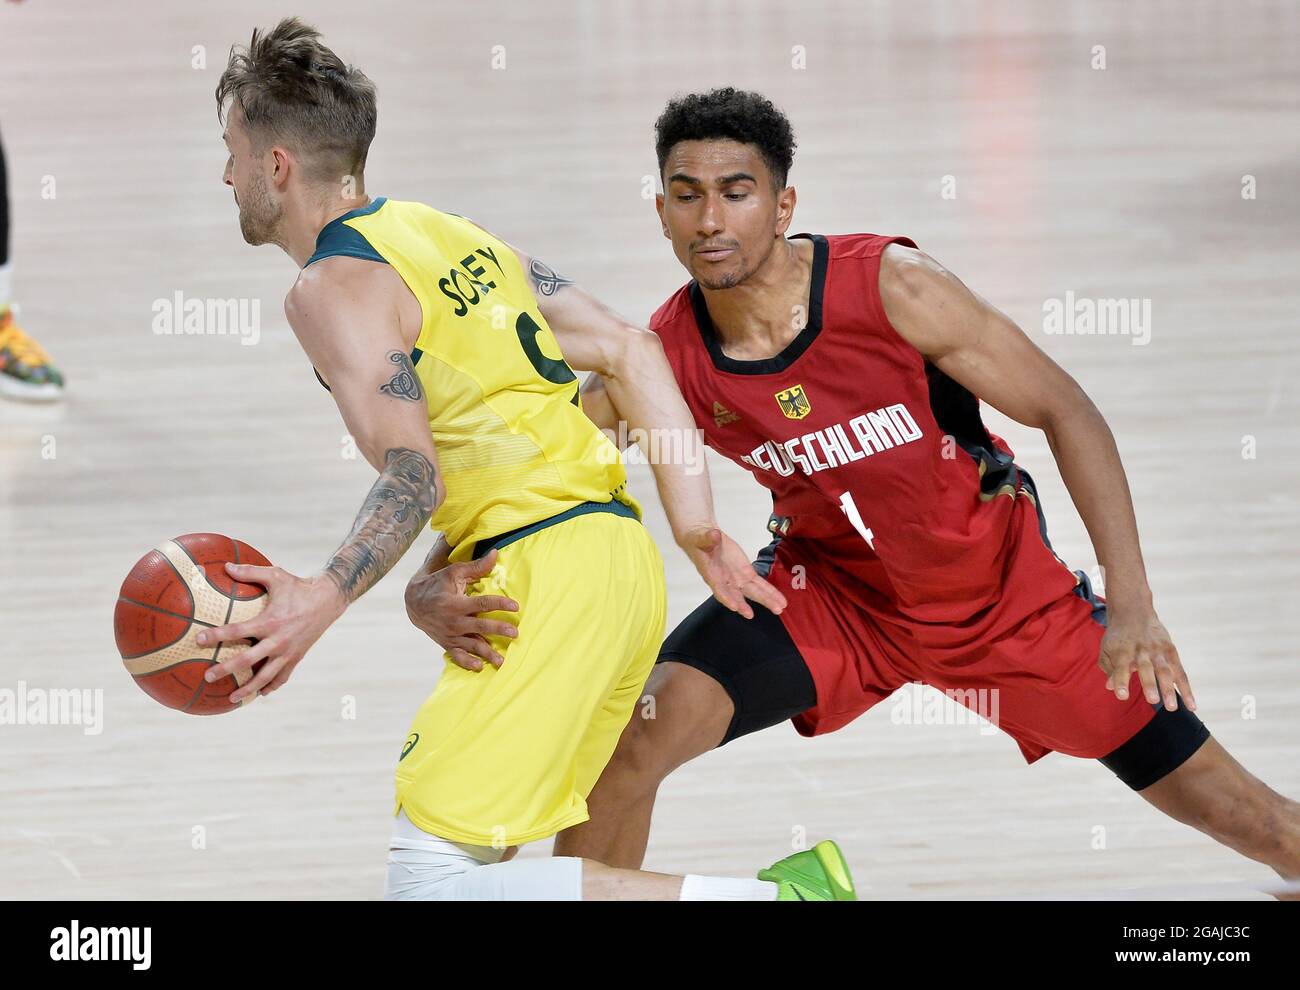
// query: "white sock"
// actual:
[[698, 888], [5, 269]]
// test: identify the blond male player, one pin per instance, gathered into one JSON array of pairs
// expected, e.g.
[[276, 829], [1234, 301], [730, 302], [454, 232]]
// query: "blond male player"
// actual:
[[435, 340]]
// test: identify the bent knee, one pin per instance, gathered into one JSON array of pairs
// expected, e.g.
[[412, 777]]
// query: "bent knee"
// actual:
[[640, 759], [688, 716]]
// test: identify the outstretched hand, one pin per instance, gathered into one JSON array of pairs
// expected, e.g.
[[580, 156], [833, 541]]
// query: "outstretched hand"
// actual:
[[728, 572]]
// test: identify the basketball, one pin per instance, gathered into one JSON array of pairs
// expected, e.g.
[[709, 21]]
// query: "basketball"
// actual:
[[171, 594]]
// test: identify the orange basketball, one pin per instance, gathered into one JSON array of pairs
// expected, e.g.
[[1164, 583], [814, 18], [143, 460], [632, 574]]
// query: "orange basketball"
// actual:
[[172, 593]]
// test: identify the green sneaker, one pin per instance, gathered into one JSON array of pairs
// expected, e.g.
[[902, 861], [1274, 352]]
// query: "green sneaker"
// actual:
[[816, 874]]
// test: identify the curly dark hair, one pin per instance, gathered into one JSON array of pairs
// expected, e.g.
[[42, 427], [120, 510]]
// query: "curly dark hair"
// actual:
[[738, 114]]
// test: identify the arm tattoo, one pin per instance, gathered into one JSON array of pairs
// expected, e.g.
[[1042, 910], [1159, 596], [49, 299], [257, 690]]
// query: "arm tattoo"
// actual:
[[404, 384], [399, 505], [546, 280]]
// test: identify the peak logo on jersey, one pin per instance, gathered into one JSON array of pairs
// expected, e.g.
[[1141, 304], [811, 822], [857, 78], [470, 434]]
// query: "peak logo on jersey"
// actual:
[[722, 415], [793, 402]]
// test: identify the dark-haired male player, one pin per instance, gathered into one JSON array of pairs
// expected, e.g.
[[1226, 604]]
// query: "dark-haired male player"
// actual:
[[845, 373]]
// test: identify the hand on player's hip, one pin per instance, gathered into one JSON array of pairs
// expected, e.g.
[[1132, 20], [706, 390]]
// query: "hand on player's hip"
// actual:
[[438, 605]]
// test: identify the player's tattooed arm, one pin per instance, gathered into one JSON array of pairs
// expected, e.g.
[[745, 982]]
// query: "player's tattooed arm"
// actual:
[[397, 508], [301, 609], [374, 385], [544, 279], [405, 383]]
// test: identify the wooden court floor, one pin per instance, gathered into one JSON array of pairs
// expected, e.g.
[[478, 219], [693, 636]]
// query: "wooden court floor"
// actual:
[[987, 132]]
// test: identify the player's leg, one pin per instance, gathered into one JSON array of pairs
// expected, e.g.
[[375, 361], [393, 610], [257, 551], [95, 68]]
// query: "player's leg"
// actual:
[[720, 677], [603, 881], [505, 756], [1051, 695], [1176, 765], [25, 369], [424, 867], [1215, 794], [684, 714]]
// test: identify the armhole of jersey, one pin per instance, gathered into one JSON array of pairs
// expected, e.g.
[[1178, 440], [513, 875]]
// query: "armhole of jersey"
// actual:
[[341, 240]]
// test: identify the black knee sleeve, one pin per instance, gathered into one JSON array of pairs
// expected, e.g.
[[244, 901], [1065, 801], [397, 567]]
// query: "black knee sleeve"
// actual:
[[1159, 747]]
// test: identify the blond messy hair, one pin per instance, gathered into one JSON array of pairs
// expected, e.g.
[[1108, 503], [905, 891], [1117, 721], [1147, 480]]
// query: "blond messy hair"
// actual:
[[291, 89]]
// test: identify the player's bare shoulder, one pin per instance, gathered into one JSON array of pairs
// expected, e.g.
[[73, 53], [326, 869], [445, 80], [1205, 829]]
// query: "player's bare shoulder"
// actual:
[[918, 294], [338, 289], [908, 274]]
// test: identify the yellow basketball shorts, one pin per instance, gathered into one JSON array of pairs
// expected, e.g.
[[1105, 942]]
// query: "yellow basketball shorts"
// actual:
[[509, 755]]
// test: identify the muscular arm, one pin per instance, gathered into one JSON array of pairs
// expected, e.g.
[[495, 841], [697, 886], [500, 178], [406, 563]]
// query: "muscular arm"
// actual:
[[981, 348], [398, 507], [346, 320], [599, 408], [345, 314], [639, 383]]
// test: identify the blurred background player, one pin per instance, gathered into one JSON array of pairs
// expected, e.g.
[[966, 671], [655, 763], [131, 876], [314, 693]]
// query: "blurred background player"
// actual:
[[25, 368]]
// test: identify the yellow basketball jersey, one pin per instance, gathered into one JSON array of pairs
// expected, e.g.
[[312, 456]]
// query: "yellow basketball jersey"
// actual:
[[514, 446]]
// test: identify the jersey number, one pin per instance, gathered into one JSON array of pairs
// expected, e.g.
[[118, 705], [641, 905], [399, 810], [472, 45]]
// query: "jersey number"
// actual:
[[549, 368], [855, 517]]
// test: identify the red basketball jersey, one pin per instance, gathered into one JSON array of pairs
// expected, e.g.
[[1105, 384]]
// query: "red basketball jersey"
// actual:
[[880, 468]]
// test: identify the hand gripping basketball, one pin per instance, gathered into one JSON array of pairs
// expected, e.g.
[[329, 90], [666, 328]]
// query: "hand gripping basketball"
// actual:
[[300, 611]]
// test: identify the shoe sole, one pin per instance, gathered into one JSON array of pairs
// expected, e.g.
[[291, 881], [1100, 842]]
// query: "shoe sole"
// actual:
[[11, 388]]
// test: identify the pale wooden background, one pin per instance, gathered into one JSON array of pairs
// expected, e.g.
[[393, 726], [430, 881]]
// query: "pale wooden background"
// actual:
[[1122, 182]]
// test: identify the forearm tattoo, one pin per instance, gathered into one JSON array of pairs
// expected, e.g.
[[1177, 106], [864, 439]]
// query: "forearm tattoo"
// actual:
[[546, 280], [399, 505], [405, 383]]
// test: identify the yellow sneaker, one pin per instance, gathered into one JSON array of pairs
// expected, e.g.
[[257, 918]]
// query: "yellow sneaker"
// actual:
[[25, 368]]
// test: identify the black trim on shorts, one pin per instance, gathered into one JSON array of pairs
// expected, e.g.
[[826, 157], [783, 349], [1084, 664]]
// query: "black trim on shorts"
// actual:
[[1161, 746], [755, 660]]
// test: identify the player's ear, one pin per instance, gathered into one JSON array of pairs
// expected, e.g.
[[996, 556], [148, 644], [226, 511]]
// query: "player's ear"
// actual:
[[659, 208], [785, 200], [280, 160]]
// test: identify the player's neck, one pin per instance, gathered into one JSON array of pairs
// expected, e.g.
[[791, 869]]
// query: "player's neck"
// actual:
[[304, 218], [758, 318]]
